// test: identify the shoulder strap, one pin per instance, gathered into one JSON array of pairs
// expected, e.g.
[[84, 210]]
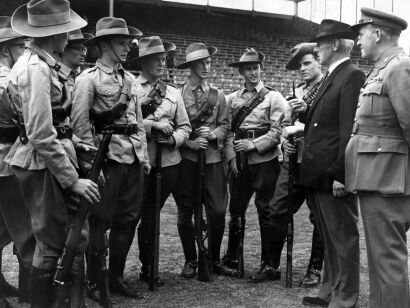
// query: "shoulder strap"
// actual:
[[248, 107], [206, 109]]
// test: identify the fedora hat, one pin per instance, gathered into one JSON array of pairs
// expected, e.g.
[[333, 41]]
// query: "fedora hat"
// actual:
[[297, 52], [153, 44], [249, 56], [108, 27], [196, 51], [6, 31], [376, 17], [40, 18], [330, 28], [77, 36], [134, 32]]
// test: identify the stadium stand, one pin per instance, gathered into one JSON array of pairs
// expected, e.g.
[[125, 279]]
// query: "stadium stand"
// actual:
[[230, 32]]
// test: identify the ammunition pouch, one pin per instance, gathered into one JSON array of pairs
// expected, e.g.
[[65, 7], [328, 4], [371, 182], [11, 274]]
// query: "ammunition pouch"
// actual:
[[149, 108], [157, 94], [108, 116], [64, 132], [61, 112], [9, 134], [117, 129]]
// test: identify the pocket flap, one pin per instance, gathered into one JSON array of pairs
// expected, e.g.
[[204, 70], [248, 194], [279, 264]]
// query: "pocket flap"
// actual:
[[373, 88], [382, 145]]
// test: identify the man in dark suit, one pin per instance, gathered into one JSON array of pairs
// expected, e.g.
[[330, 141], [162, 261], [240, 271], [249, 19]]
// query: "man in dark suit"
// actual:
[[328, 125]]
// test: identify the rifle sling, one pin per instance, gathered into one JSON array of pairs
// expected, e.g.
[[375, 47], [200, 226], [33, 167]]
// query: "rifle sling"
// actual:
[[248, 107]]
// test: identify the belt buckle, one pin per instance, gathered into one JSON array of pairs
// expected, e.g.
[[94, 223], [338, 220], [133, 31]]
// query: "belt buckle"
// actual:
[[355, 128], [251, 134]]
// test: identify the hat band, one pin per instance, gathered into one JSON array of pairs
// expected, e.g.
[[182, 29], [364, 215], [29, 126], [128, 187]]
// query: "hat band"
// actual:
[[197, 54], [112, 31], [76, 37], [49, 19], [7, 33], [145, 51], [250, 58]]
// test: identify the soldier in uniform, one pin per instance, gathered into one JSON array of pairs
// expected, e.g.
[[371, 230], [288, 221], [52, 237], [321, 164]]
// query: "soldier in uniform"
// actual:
[[43, 157], [328, 122], [14, 219], [256, 113], [208, 113], [166, 122], [304, 59], [377, 157], [105, 96]]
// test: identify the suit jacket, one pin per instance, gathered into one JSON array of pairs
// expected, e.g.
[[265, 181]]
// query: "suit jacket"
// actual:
[[377, 156], [328, 126]]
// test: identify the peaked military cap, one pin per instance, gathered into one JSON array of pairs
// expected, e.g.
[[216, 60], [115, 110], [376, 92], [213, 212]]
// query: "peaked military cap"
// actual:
[[108, 27], [249, 56], [197, 51], [330, 28], [376, 17], [6, 31], [153, 44], [40, 18], [297, 52]]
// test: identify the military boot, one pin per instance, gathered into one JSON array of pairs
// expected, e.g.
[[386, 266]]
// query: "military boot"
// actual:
[[216, 232], [230, 259], [312, 276], [41, 285], [186, 234]]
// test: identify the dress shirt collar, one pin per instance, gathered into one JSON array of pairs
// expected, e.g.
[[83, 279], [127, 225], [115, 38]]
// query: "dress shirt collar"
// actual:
[[106, 68], [336, 64], [258, 87]]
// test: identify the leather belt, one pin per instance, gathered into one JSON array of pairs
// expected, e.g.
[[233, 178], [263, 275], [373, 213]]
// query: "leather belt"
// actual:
[[118, 129], [250, 133], [9, 134], [363, 129], [64, 132]]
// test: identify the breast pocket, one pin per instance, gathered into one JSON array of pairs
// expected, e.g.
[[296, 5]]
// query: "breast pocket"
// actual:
[[381, 165], [109, 93], [376, 100]]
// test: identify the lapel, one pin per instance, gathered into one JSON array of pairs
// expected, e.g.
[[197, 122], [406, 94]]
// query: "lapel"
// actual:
[[327, 83]]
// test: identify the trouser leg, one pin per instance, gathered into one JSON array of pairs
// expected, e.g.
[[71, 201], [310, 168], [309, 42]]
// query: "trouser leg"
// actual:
[[386, 221]]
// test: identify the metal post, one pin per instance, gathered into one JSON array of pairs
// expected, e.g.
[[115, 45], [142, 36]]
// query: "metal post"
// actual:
[[111, 9], [340, 14]]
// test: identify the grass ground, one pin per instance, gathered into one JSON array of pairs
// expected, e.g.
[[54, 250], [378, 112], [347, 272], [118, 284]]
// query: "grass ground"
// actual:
[[224, 291]]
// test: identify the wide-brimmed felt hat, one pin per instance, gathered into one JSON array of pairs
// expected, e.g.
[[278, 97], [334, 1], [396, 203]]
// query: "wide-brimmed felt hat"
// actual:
[[134, 31], [108, 27], [195, 52], [6, 31], [297, 52], [249, 56], [77, 36], [379, 18], [40, 18], [330, 28], [153, 44]]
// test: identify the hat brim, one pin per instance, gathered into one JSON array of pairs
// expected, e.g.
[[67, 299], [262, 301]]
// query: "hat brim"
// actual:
[[337, 35], [211, 50], [19, 22], [96, 39], [293, 64], [355, 28], [168, 46], [240, 63], [87, 37], [7, 39]]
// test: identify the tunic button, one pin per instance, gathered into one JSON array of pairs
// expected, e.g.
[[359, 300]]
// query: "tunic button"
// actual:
[[246, 124], [351, 135], [109, 93], [379, 149], [315, 124]]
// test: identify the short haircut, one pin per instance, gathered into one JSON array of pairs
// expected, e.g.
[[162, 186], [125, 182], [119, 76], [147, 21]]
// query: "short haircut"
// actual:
[[345, 46]]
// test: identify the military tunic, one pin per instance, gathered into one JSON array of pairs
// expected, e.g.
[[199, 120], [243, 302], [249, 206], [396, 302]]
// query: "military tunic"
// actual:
[[378, 169]]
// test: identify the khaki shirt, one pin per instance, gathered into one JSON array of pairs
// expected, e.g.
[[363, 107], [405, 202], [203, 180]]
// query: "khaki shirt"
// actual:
[[267, 115], [172, 110], [99, 88], [217, 122], [34, 87]]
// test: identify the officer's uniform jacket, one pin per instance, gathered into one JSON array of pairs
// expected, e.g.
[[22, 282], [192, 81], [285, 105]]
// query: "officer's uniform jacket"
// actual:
[[377, 156], [171, 110], [267, 115], [99, 88], [5, 119], [34, 88], [217, 122]]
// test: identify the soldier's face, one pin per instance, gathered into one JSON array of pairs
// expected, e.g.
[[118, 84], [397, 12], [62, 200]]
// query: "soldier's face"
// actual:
[[74, 54], [324, 51], [309, 68], [119, 48], [201, 68], [367, 41], [251, 73], [154, 64]]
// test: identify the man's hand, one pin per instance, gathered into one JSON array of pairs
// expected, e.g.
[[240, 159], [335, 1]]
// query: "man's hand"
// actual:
[[292, 130], [243, 145], [297, 105], [338, 189], [164, 140], [147, 168], [164, 127], [233, 166], [80, 146], [199, 143], [288, 148], [86, 189]]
